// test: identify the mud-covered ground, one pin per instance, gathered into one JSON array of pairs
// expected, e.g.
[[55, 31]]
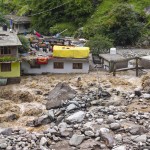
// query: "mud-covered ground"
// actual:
[[118, 118], [27, 99]]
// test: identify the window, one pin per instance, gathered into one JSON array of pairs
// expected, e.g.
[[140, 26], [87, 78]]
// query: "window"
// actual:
[[77, 65], [35, 65], [58, 65], [5, 67], [27, 26], [5, 50]]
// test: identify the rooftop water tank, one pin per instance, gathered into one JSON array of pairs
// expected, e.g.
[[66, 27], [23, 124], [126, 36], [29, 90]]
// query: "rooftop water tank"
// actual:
[[113, 51]]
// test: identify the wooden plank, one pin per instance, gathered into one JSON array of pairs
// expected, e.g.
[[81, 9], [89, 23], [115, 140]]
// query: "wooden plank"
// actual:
[[114, 69], [126, 59], [125, 69], [137, 68]]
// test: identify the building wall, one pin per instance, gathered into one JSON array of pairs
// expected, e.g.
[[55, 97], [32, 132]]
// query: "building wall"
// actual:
[[20, 28], [14, 52], [48, 68], [109, 66], [15, 70]]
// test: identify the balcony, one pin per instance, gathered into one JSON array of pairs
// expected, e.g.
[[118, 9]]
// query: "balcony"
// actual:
[[8, 59]]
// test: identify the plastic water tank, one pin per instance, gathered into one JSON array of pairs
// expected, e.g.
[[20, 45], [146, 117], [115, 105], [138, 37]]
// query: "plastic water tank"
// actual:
[[113, 51]]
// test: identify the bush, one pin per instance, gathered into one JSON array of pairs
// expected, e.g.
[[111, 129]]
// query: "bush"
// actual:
[[3, 20], [99, 44], [61, 27], [7, 59], [25, 44]]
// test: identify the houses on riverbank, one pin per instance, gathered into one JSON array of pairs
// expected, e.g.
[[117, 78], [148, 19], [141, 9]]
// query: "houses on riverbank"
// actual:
[[39, 60], [9, 58], [54, 55]]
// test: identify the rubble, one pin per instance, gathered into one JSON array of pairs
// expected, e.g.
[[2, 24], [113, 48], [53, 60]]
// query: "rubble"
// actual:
[[116, 120]]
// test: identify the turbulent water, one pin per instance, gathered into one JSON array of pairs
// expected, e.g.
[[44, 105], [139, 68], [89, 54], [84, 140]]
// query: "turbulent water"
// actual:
[[22, 103]]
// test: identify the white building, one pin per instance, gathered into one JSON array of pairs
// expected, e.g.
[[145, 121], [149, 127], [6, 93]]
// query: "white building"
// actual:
[[55, 65]]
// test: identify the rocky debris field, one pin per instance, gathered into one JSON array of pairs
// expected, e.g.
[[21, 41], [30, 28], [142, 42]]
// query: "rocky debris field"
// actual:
[[94, 111], [131, 52]]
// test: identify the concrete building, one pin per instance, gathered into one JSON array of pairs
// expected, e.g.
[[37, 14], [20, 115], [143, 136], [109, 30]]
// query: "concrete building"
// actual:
[[20, 24], [108, 59], [9, 59], [55, 65]]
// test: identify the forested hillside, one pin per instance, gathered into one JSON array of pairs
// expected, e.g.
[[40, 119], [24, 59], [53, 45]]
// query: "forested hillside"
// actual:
[[117, 22]]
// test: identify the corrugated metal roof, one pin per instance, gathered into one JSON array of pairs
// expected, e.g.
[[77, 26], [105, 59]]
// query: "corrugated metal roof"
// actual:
[[9, 39]]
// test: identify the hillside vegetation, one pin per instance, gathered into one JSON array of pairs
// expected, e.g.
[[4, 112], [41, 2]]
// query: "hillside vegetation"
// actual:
[[122, 22]]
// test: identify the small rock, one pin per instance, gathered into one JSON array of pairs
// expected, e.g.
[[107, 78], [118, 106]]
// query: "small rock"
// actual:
[[132, 96], [7, 131], [146, 96], [89, 133], [118, 137], [100, 121], [9, 148], [71, 107], [107, 136], [141, 138], [76, 117], [123, 147], [76, 139], [3, 145], [43, 141], [51, 114], [110, 119], [115, 126], [136, 130]]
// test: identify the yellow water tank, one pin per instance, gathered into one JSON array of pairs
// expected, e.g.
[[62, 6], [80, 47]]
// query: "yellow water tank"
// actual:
[[70, 52]]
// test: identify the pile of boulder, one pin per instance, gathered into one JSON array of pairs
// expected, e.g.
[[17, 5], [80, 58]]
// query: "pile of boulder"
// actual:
[[93, 120]]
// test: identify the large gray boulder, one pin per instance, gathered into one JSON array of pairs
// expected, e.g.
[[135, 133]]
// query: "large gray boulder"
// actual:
[[59, 94]]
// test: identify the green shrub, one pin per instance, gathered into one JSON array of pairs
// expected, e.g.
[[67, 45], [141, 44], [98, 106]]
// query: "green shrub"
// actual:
[[99, 44], [7, 59], [25, 44], [60, 27]]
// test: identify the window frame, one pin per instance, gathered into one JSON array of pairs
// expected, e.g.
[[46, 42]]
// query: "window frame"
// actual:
[[4, 68], [35, 66], [77, 66], [58, 65], [5, 50]]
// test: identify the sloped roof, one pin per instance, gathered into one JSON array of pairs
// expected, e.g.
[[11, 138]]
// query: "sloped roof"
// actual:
[[18, 19], [9, 39]]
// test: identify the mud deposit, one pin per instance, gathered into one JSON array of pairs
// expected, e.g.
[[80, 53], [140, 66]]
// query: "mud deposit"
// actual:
[[93, 111]]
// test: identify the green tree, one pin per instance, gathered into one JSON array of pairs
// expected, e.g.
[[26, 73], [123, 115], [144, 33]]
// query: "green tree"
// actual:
[[99, 44], [2, 20], [122, 24]]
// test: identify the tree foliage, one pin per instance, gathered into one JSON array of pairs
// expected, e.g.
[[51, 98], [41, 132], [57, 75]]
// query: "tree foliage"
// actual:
[[2, 20], [123, 21], [99, 44], [25, 44], [122, 24]]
